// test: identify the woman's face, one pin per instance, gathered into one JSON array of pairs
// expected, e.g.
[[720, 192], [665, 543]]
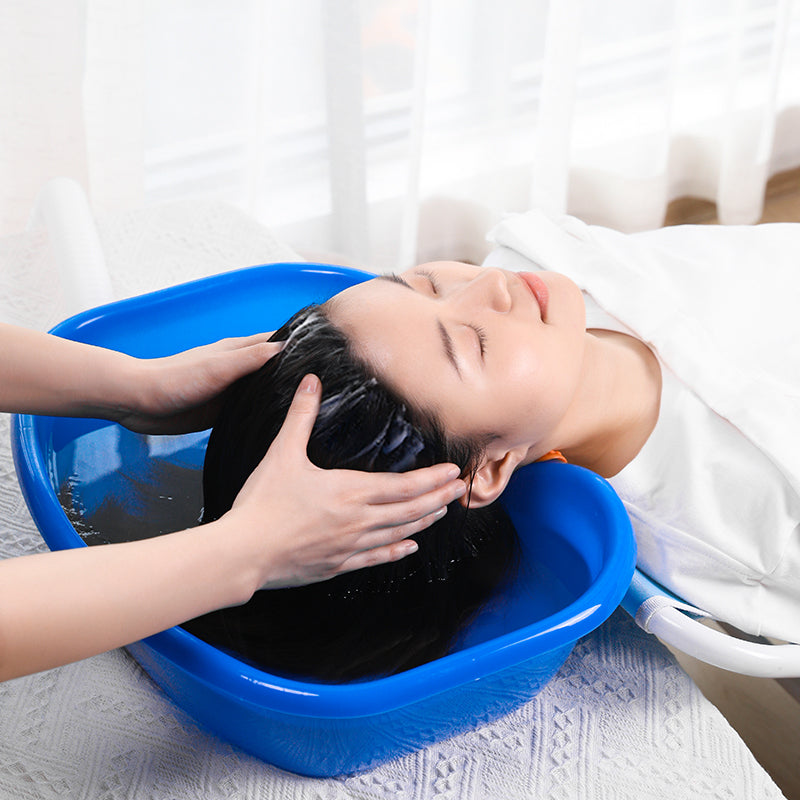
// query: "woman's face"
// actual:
[[486, 350]]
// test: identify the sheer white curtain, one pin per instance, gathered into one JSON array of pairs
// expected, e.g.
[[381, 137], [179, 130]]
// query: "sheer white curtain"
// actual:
[[383, 131], [71, 100]]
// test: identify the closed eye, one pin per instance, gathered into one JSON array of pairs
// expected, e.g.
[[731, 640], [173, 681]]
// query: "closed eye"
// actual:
[[481, 334], [431, 278], [479, 331]]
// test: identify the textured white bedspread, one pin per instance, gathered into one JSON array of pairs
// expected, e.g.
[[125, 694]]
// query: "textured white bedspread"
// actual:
[[620, 719]]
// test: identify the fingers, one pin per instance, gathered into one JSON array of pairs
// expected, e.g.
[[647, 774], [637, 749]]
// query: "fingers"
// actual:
[[296, 429], [243, 352], [394, 532], [392, 487], [391, 515], [393, 523], [390, 545], [239, 342], [262, 351], [400, 532], [378, 555], [227, 366], [253, 355], [400, 513]]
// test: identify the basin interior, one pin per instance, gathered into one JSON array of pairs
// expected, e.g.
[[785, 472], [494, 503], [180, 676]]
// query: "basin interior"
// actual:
[[117, 486]]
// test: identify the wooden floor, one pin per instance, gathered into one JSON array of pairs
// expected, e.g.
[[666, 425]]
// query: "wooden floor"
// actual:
[[781, 204], [766, 713]]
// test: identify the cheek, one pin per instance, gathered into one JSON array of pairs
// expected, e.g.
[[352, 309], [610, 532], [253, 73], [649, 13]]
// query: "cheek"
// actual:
[[525, 398], [541, 382], [565, 363], [569, 295]]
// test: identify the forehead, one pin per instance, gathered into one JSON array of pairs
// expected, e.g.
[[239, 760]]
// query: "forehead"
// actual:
[[371, 315], [360, 313], [390, 329]]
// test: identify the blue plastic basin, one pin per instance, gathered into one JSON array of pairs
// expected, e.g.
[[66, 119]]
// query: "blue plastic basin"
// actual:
[[577, 543]]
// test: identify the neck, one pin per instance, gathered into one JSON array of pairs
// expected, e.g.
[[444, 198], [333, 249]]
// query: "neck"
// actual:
[[616, 406]]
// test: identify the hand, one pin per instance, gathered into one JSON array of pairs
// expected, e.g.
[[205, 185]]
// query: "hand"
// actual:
[[183, 392], [311, 524]]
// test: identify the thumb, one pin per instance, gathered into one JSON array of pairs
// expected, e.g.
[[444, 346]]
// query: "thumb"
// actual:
[[302, 414]]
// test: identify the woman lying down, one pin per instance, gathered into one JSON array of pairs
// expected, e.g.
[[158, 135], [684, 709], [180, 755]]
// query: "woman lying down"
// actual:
[[492, 369]]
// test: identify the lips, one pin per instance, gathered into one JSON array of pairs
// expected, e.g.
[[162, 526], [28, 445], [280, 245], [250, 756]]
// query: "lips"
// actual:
[[537, 289]]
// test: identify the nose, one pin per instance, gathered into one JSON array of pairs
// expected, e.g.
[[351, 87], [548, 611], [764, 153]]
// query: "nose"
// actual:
[[488, 289]]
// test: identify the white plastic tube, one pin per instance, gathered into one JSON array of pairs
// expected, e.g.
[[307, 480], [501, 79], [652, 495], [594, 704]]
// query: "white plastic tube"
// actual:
[[64, 210], [677, 623], [719, 649]]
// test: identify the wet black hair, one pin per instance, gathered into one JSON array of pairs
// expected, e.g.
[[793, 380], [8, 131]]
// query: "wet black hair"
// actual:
[[375, 621]]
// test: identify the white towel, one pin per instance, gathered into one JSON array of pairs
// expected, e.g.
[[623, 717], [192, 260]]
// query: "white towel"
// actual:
[[719, 306]]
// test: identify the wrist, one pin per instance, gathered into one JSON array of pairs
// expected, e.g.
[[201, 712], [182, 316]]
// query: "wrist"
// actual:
[[123, 387], [248, 558], [98, 383]]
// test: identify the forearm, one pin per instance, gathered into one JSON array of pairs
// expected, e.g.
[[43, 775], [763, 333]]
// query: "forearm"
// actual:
[[44, 374], [292, 523], [64, 606]]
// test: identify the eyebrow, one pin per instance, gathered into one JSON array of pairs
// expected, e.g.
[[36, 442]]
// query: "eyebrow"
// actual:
[[393, 277], [449, 350], [447, 340]]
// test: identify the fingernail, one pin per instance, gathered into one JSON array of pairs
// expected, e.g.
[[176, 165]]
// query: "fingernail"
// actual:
[[440, 513], [461, 489], [309, 384], [453, 472], [409, 548]]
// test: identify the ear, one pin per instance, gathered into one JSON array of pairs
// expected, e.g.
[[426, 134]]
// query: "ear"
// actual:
[[492, 477]]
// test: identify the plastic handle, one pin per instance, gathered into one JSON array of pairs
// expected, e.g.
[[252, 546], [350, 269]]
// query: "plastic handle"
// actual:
[[721, 650], [658, 611]]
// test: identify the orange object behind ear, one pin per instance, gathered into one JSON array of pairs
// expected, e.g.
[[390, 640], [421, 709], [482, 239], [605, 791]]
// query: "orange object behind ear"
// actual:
[[553, 455]]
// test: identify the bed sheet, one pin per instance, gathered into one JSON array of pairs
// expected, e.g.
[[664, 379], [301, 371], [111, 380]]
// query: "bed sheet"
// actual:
[[620, 719]]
